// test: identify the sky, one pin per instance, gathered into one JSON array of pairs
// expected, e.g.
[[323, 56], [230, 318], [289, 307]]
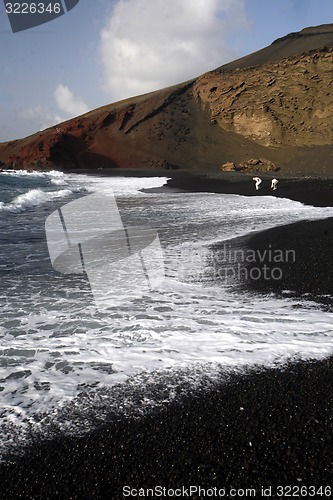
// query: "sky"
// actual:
[[102, 51]]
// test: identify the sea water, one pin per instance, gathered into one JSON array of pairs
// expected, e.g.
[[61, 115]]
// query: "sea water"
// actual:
[[65, 365]]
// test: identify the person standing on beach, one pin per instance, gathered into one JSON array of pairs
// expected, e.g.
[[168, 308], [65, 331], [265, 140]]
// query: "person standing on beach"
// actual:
[[257, 181], [274, 184]]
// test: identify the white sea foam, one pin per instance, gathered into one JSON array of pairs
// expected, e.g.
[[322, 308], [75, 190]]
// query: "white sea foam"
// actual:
[[51, 174], [55, 345], [34, 188], [33, 198], [121, 186]]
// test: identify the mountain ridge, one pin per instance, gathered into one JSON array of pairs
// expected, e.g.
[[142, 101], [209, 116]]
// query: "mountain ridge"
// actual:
[[276, 103]]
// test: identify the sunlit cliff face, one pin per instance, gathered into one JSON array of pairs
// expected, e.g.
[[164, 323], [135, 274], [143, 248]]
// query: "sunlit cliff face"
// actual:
[[287, 102]]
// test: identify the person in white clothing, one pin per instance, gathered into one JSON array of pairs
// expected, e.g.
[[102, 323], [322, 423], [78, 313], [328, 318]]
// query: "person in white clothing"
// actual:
[[274, 184], [257, 181]]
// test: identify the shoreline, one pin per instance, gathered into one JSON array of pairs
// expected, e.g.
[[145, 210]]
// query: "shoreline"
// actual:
[[267, 428], [308, 272], [293, 260], [314, 191], [310, 275], [309, 189]]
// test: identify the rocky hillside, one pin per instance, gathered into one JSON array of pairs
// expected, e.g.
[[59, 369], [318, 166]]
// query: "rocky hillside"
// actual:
[[289, 102], [275, 104]]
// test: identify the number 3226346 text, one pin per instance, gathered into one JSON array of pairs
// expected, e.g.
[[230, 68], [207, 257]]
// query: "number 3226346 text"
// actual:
[[33, 8]]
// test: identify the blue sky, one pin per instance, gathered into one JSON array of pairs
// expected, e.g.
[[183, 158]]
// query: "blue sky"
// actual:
[[105, 50]]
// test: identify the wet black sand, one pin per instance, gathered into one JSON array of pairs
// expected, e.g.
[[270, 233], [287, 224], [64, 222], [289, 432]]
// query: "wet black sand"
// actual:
[[267, 428], [306, 270], [310, 190]]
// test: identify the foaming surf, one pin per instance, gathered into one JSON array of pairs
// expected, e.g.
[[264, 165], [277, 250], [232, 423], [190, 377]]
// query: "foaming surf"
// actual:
[[64, 365], [21, 189], [33, 198]]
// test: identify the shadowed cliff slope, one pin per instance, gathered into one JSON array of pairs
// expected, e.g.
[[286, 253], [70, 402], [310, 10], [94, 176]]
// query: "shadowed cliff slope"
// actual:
[[276, 103]]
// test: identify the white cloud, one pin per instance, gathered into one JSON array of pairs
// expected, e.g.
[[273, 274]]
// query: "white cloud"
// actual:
[[149, 44], [39, 118], [31, 113], [68, 103]]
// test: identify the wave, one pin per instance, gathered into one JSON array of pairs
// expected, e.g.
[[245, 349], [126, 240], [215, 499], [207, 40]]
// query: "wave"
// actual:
[[33, 198], [29, 179], [58, 181], [120, 186], [33, 173]]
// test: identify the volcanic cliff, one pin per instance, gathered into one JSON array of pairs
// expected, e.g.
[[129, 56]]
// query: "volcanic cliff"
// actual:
[[276, 104]]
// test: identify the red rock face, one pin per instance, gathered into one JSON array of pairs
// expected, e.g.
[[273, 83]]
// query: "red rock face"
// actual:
[[272, 104]]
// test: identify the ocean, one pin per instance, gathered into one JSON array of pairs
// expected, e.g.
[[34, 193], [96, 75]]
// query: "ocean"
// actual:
[[66, 365]]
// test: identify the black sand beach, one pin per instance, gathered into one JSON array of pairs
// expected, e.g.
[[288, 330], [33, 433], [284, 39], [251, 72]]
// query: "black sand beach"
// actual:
[[307, 270], [310, 190], [268, 428]]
